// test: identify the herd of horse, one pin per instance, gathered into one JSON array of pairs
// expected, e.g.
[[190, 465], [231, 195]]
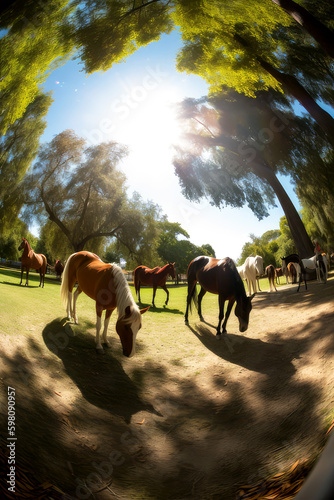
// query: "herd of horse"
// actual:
[[108, 287]]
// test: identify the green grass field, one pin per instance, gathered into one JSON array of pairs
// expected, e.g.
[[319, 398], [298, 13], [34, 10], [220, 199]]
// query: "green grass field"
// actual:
[[29, 309]]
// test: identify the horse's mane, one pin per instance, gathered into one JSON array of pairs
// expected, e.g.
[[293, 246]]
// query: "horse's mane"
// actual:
[[239, 286], [163, 268], [291, 255], [124, 296]]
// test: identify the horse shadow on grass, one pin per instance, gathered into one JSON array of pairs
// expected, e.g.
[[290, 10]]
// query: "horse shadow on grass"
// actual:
[[101, 380], [155, 309], [18, 284], [252, 354]]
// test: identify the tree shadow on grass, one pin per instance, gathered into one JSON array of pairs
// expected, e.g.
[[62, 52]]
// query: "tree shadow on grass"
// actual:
[[101, 379]]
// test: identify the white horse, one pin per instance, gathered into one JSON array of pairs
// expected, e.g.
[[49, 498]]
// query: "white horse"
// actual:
[[241, 271], [252, 269], [313, 263]]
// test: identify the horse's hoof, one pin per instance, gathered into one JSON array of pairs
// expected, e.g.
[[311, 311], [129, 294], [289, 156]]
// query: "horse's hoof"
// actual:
[[106, 345], [218, 336], [201, 318], [99, 350]]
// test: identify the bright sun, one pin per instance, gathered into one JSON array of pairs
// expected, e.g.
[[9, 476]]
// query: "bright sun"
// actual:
[[153, 125]]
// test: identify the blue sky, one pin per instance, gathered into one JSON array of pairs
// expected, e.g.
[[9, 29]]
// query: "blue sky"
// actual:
[[134, 104]]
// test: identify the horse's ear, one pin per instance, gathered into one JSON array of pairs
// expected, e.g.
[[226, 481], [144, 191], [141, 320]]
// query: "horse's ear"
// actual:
[[142, 311]]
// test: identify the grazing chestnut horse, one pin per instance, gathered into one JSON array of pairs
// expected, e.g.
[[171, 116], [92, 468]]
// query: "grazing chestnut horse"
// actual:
[[106, 284], [143, 275], [271, 273], [222, 278], [32, 260], [59, 268], [278, 275]]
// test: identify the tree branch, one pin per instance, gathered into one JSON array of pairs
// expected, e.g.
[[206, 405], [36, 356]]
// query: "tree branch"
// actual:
[[295, 89], [55, 219], [83, 213]]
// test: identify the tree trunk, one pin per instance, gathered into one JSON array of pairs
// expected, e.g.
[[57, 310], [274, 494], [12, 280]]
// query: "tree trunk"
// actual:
[[320, 32], [300, 237], [296, 90]]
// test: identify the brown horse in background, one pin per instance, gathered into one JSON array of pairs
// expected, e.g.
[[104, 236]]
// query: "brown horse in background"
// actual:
[[291, 273], [222, 278], [271, 273], [143, 275], [32, 260], [59, 268]]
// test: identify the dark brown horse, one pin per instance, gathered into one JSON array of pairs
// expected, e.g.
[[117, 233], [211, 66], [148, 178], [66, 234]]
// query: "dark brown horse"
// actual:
[[143, 275], [222, 278], [59, 268], [32, 260], [271, 273]]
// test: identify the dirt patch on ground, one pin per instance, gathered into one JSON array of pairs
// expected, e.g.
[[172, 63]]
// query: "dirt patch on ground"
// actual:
[[231, 412]]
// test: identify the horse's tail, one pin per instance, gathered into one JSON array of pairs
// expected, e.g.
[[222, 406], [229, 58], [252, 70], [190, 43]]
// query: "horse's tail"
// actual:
[[64, 288], [44, 265], [193, 297], [136, 280]]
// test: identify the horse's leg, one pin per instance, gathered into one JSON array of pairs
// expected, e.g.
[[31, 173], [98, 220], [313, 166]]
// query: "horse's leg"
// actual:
[[199, 308], [166, 290], [99, 311], [258, 283], [40, 277], [27, 276], [254, 285], [43, 271], [75, 298], [154, 292], [228, 312], [22, 268], [106, 343], [221, 315], [139, 292], [302, 274], [248, 281]]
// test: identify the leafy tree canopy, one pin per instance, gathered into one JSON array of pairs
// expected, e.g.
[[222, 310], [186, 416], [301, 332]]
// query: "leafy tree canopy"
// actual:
[[18, 147], [37, 41], [80, 189]]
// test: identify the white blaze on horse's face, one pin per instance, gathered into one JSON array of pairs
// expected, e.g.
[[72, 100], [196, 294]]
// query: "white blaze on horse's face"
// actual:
[[127, 328], [127, 331]]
